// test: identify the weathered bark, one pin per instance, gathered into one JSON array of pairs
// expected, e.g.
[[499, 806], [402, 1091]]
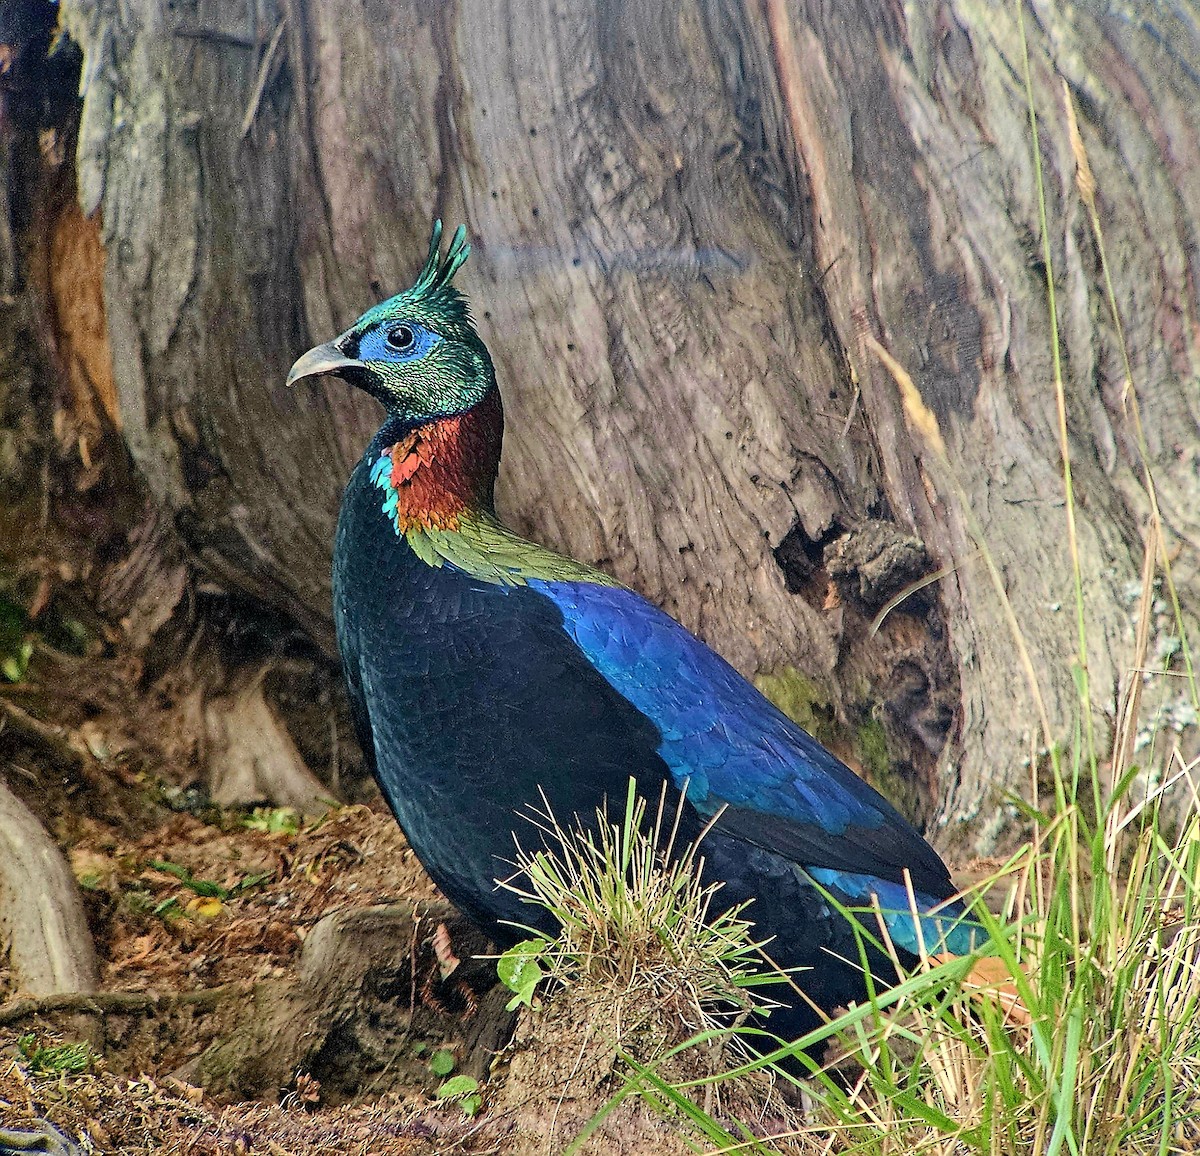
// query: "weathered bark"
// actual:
[[42, 926], [688, 219]]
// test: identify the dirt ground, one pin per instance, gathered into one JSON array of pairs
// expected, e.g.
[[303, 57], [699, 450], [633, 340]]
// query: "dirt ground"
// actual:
[[193, 907]]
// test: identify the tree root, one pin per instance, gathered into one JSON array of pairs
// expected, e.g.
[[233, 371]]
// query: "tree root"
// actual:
[[55, 739], [50, 948], [362, 1015], [368, 1004], [46, 1140], [119, 1002], [250, 753]]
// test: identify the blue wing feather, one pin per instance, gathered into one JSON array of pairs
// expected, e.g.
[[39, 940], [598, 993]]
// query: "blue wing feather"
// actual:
[[731, 746], [719, 732]]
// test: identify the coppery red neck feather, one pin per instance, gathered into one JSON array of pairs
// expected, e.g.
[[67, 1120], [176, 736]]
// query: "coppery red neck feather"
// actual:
[[447, 468]]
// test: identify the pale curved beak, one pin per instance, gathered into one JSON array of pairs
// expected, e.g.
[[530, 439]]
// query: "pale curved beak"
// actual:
[[325, 358]]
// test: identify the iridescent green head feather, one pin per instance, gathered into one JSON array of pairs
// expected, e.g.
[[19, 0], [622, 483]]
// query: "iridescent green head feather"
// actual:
[[417, 352]]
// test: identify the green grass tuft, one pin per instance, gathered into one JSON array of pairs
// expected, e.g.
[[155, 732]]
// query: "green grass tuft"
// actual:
[[636, 922], [56, 1059]]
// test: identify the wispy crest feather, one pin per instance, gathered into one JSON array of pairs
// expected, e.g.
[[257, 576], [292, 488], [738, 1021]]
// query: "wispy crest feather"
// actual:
[[437, 274], [433, 290], [431, 299]]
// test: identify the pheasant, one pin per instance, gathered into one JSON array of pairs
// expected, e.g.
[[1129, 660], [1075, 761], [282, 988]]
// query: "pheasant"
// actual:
[[488, 674]]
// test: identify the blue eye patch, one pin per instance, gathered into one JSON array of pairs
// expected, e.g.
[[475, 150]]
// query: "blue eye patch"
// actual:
[[399, 341]]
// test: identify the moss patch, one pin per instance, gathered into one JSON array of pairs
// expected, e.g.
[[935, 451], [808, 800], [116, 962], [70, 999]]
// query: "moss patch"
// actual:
[[803, 701], [872, 749]]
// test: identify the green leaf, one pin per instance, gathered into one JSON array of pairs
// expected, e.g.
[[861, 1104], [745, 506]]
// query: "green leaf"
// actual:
[[204, 887], [15, 648], [520, 972], [247, 881], [274, 820], [464, 1089], [457, 1086], [169, 868], [441, 1063]]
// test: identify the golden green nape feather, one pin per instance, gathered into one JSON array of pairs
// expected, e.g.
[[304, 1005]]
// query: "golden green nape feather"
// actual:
[[485, 549]]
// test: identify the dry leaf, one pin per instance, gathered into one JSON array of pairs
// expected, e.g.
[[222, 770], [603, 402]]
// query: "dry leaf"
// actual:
[[442, 948], [990, 979], [205, 906]]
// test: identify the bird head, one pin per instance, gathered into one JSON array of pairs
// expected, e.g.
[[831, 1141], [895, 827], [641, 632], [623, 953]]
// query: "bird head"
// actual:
[[418, 352]]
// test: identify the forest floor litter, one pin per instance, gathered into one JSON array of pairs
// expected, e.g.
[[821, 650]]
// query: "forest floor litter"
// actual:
[[199, 915]]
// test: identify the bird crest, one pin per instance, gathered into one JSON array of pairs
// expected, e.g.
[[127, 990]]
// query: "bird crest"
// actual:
[[437, 274], [431, 298]]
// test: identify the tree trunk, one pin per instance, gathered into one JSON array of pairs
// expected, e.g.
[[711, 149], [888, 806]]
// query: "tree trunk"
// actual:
[[688, 221]]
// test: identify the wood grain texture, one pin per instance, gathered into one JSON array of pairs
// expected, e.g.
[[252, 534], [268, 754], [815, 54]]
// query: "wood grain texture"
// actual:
[[43, 929], [943, 260], [687, 219]]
